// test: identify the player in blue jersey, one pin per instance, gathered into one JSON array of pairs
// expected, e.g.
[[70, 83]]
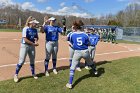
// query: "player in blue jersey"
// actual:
[[28, 43], [71, 50], [93, 39], [52, 37], [80, 42]]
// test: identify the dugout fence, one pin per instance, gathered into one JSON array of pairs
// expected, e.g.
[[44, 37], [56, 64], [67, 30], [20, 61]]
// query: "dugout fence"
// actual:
[[131, 34]]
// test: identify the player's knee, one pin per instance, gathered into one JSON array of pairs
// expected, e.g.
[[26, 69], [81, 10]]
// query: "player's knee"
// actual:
[[46, 61], [73, 66]]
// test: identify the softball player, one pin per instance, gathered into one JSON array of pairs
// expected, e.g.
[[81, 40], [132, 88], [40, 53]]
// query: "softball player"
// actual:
[[52, 36], [93, 39], [109, 38], [113, 39], [28, 43], [101, 35], [80, 42], [71, 50]]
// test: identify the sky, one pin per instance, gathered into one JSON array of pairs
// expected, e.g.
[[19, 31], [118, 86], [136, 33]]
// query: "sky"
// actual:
[[79, 8]]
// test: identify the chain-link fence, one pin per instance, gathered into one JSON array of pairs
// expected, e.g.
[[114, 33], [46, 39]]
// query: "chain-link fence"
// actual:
[[131, 34]]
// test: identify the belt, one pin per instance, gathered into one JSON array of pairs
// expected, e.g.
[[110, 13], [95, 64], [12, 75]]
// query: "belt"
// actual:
[[92, 45]]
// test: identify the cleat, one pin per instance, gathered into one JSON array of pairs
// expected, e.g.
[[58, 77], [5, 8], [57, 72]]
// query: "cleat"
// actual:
[[55, 71], [95, 72], [86, 67], [78, 69], [94, 69], [16, 78], [69, 86], [35, 77], [47, 74]]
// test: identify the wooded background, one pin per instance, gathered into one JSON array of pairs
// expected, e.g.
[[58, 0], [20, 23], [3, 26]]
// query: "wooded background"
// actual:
[[129, 17]]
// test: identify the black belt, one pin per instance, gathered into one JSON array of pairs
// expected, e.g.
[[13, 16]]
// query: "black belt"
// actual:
[[92, 45]]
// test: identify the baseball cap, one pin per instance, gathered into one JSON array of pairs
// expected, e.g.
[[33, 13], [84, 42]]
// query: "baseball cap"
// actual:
[[52, 19], [34, 21]]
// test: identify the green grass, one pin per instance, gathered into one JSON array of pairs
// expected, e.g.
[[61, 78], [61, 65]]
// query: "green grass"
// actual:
[[9, 30], [119, 76], [127, 42]]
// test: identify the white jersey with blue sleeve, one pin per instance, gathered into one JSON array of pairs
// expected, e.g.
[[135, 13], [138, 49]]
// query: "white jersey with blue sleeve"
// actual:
[[24, 33], [79, 40], [52, 32], [30, 34]]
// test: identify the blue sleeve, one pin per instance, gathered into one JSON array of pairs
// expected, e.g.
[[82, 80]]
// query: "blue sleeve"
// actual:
[[70, 38], [59, 29], [87, 40], [96, 40], [36, 34], [45, 28], [98, 37]]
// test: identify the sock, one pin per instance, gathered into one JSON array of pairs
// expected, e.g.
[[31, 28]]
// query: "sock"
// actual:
[[71, 76], [32, 66], [18, 67], [70, 60], [46, 62], [86, 63], [54, 63]]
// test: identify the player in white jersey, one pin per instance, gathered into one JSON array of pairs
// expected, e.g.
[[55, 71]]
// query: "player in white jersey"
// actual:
[[28, 43]]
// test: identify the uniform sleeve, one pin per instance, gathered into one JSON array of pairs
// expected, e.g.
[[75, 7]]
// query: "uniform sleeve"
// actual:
[[87, 39], [59, 29], [36, 34], [45, 28], [68, 36], [98, 37], [96, 40], [24, 32]]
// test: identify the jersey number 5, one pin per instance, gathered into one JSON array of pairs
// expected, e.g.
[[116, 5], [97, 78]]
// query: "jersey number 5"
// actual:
[[79, 41]]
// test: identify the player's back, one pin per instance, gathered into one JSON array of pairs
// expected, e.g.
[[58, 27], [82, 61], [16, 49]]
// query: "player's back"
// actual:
[[79, 40]]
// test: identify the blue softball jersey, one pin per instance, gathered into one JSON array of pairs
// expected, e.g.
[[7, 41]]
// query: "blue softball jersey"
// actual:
[[93, 38], [79, 40], [30, 34], [52, 32]]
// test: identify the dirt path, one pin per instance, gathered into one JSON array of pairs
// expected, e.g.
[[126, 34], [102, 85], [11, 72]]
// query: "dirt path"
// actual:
[[9, 51]]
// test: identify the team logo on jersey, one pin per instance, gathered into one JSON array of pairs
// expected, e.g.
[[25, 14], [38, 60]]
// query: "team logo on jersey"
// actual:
[[32, 33]]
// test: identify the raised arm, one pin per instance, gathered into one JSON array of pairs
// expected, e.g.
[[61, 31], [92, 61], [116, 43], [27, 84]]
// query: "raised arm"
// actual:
[[41, 29], [44, 23]]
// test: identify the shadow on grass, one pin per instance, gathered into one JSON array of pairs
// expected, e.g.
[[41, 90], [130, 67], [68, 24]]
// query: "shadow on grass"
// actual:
[[100, 72], [23, 78], [102, 62], [82, 65]]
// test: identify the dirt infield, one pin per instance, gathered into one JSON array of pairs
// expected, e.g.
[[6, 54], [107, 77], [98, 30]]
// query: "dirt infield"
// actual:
[[10, 45]]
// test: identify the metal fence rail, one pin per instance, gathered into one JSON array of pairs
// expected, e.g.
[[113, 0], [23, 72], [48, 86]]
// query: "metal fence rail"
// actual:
[[131, 34]]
